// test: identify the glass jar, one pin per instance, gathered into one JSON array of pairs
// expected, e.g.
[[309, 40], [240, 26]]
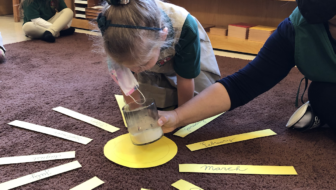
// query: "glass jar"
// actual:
[[142, 123]]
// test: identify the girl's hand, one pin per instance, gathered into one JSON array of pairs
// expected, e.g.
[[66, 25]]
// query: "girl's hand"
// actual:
[[168, 121]]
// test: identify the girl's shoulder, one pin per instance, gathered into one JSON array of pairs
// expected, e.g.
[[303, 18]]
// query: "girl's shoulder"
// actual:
[[190, 25], [175, 13], [170, 6]]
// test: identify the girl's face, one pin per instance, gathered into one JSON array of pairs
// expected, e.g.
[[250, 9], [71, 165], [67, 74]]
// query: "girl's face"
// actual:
[[148, 65], [153, 57]]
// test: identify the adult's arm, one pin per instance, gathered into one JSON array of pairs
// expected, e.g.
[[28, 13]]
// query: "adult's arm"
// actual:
[[272, 64]]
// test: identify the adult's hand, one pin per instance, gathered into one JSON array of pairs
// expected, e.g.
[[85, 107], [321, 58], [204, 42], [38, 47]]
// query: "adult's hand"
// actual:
[[168, 120], [209, 102]]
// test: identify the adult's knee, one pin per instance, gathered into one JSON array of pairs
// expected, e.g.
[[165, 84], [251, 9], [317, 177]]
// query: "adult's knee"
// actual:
[[322, 97]]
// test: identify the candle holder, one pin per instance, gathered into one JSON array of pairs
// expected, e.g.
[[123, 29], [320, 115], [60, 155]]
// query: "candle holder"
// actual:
[[142, 123]]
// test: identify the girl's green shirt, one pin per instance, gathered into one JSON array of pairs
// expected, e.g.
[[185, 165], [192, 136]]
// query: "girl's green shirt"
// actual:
[[188, 50], [44, 9]]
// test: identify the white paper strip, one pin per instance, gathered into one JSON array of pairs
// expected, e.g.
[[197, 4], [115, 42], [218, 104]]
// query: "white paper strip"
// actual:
[[81, 2], [80, 15], [87, 119], [51, 131], [88, 185], [37, 158], [40, 175], [79, 8]]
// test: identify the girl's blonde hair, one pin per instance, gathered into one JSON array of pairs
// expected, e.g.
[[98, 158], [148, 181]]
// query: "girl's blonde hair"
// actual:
[[134, 45]]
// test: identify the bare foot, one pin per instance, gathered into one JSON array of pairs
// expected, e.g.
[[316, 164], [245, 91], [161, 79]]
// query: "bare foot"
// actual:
[[2, 56]]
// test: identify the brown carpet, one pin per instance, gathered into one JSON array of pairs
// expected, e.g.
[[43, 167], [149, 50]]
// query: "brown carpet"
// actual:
[[39, 76]]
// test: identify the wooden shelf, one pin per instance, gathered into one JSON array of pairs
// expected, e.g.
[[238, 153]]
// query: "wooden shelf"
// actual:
[[235, 44], [81, 5], [225, 12], [6, 7], [81, 2], [83, 24], [221, 13]]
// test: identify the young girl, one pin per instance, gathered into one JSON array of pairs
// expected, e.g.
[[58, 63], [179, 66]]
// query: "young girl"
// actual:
[[42, 21], [164, 46]]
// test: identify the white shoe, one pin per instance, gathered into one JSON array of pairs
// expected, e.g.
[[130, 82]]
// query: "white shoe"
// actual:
[[2, 56], [304, 118]]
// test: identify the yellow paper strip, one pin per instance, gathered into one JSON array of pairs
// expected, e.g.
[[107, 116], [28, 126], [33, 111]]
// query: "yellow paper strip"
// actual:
[[230, 139], [37, 158], [184, 185], [183, 132], [238, 169], [87, 119], [88, 185], [51, 131], [40, 175], [121, 104]]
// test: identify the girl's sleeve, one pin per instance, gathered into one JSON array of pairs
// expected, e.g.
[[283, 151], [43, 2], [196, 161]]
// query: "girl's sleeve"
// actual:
[[188, 50], [271, 65], [61, 5]]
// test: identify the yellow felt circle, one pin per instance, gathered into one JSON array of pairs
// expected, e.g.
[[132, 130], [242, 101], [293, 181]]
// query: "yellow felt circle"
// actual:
[[122, 151]]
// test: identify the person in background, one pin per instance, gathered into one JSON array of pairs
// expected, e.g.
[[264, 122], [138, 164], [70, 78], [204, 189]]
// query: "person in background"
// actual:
[[2, 51], [46, 19], [306, 39]]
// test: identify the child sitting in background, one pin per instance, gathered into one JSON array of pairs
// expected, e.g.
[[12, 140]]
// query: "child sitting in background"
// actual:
[[166, 48], [43, 22]]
